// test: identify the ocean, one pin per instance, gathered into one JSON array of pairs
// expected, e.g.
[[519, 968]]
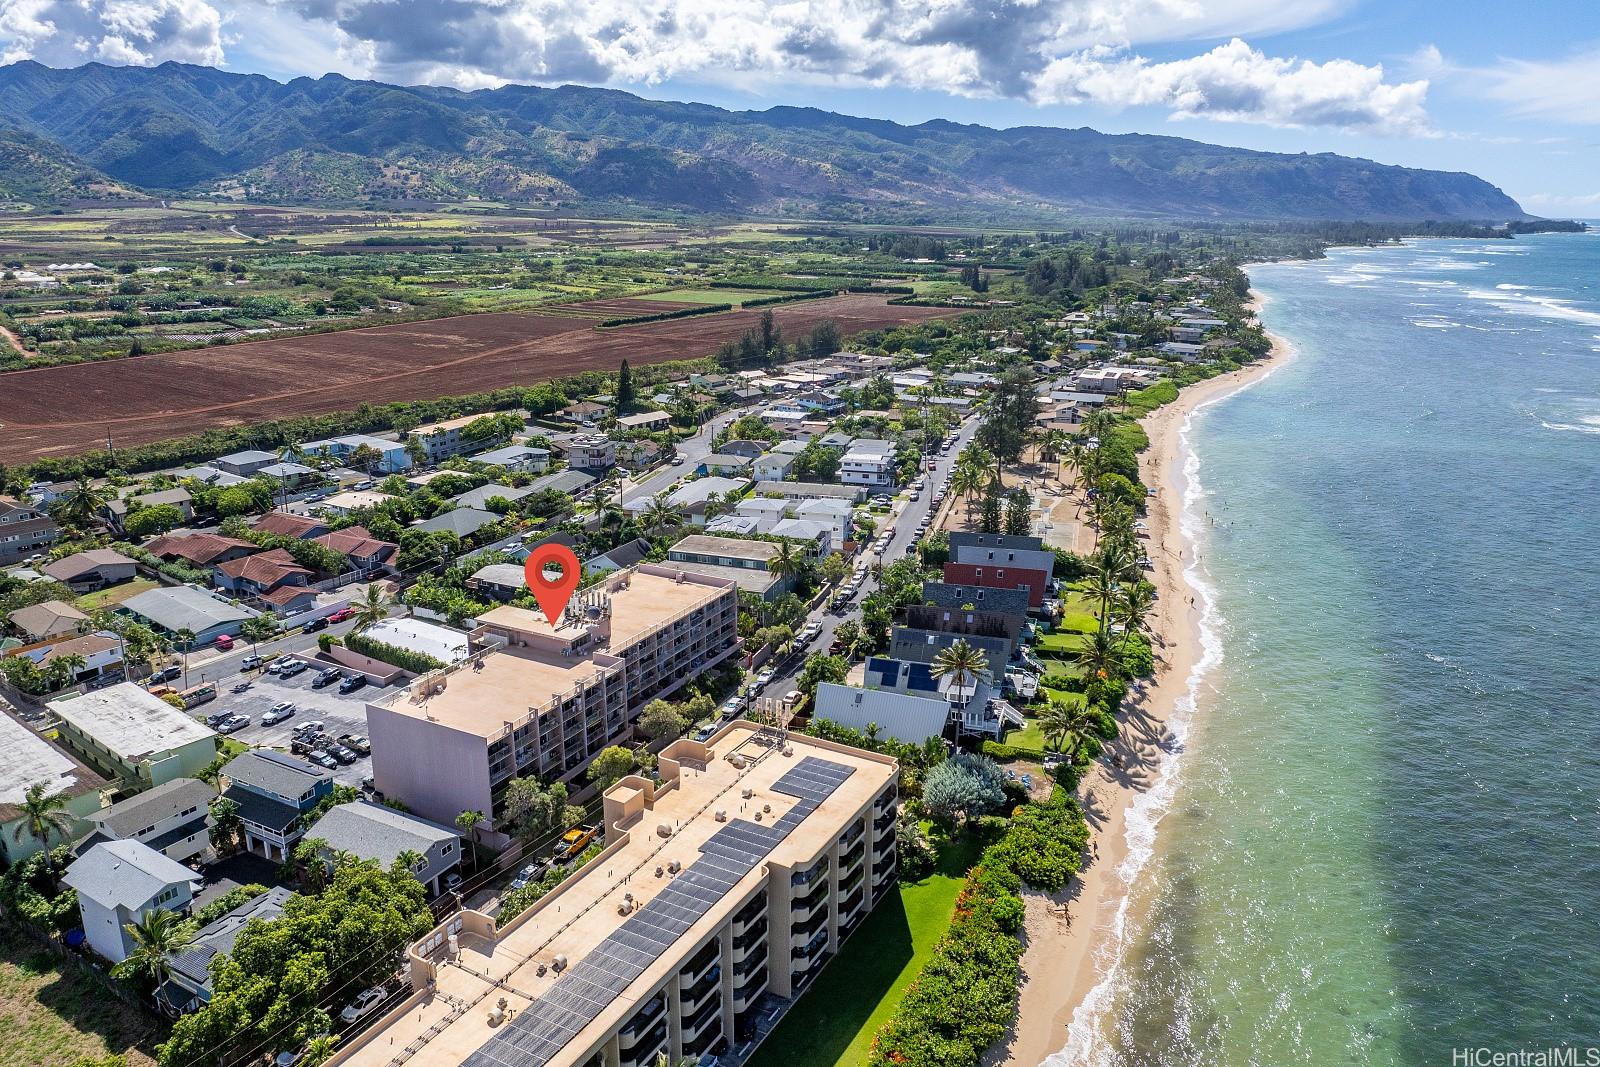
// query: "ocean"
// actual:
[[1382, 842]]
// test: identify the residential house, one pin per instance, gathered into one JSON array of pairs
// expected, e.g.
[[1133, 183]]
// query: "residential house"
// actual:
[[648, 420], [351, 500], [724, 463], [501, 581], [200, 550], [51, 618], [905, 717], [24, 530], [463, 522], [188, 986], [479, 498], [1001, 550], [274, 793], [975, 707], [245, 463], [364, 553], [290, 475], [392, 456], [589, 452], [261, 573], [626, 554], [747, 449], [1179, 350], [586, 412], [84, 572], [812, 491], [374, 832], [101, 654], [839, 514], [132, 736], [693, 497], [922, 646], [173, 818], [817, 534], [118, 509], [443, 439], [118, 883], [732, 557], [773, 467], [818, 402], [31, 759], [970, 609], [868, 462], [516, 458], [210, 476], [284, 524], [567, 483], [1034, 581], [171, 609]]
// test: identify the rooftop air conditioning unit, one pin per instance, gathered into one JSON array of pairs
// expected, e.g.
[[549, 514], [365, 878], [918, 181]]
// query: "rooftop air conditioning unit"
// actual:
[[558, 964], [664, 829], [673, 866], [720, 816], [747, 792]]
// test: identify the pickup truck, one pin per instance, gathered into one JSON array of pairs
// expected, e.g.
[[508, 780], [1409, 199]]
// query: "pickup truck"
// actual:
[[574, 841]]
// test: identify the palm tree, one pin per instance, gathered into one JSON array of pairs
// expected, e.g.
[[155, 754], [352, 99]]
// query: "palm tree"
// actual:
[[1133, 605], [184, 639], [81, 505], [871, 732], [226, 823], [42, 816], [961, 662], [787, 563], [1065, 726], [1102, 656], [661, 515], [293, 452], [966, 481], [468, 821], [372, 608], [258, 629], [62, 671], [157, 937]]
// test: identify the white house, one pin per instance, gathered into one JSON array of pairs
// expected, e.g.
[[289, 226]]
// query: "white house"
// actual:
[[868, 462], [117, 883]]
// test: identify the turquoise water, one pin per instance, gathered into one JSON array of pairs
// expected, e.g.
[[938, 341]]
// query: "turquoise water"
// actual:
[[1382, 841]]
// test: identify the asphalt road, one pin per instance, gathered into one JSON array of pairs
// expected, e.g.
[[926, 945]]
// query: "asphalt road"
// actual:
[[906, 515], [692, 450]]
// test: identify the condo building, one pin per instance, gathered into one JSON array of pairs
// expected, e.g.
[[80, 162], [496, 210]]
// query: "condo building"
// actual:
[[720, 894], [539, 699]]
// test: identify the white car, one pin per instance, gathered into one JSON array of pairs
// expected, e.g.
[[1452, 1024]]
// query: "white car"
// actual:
[[279, 712], [765, 678], [363, 1005]]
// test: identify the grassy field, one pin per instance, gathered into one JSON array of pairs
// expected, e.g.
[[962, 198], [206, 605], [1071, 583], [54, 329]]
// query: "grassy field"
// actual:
[[836, 1019], [52, 1015], [711, 296], [116, 594]]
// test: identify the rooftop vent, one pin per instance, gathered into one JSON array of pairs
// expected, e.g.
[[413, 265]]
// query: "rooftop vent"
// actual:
[[747, 792], [558, 964], [664, 829], [720, 816]]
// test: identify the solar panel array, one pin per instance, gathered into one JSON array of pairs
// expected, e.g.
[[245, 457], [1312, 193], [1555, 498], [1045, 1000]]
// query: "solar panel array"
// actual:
[[578, 997]]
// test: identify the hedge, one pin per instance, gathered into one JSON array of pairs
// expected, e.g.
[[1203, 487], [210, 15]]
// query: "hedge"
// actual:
[[662, 316], [892, 290], [787, 298], [966, 995], [404, 658]]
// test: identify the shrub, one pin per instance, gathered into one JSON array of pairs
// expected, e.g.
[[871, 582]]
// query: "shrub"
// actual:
[[662, 316], [227, 902]]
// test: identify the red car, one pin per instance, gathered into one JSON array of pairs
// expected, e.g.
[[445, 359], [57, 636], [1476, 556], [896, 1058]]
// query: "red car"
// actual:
[[342, 614]]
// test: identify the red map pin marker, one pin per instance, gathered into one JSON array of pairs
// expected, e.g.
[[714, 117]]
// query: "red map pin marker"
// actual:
[[552, 594]]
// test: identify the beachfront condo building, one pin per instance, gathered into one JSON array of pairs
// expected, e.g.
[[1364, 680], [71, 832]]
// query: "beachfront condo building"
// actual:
[[538, 699], [720, 893]]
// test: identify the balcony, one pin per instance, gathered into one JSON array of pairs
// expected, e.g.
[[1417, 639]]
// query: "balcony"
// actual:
[[852, 835], [746, 994], [752, 937], [751, 912], [884, 821], [695, 1023], [809, 875], [813, 947], [644, 1035], [644, 1054], [693, 996], [800, 933], [696, 967], [849, 862]]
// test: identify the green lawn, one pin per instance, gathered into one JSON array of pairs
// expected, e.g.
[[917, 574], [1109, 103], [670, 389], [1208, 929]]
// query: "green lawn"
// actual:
[[710, 296], [53, 1015], [834, 1022], [115, 594], [1059, 644]]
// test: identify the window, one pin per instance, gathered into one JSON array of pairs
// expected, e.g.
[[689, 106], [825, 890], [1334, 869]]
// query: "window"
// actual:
[[449, 847]]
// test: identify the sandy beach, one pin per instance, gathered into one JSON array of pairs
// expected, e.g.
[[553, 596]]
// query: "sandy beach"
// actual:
[[1074, 937]]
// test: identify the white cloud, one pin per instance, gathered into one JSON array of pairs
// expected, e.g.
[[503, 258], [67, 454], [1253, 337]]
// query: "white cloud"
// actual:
[[1582, 205], [1042, 51], [1565, 90], [70, 32]]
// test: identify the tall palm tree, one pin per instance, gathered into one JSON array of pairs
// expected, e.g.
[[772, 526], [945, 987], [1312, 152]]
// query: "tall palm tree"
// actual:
[[787, 563], [81, 505], [42, 816], [1103, 583], [1132, 608], [158, 936], [961, 662], [184, 639], [257, 629], [372, 608], [1065, 726], [468, 821], [661, 515], [1102, 656], [966, 481]]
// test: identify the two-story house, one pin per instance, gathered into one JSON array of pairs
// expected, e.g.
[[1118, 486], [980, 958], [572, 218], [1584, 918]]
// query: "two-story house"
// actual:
[[374, 832], [274, 792], [24, 530], [118, 883], [173, 818]]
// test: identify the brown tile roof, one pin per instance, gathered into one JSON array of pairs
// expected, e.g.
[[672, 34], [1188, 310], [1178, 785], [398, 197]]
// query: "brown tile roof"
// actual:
[[286, 594], [356, 541], [286, 525], [85, 646], [266, 569], [200, 548]]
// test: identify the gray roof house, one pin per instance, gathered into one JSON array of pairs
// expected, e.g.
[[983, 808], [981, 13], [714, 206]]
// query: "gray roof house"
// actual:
[[567, 481], [189, 985], [172, 818], [185, 607], [479, 497], [902, 716], [463, 522], [273, 792], [499, 580], [375, 832], [117, 883]]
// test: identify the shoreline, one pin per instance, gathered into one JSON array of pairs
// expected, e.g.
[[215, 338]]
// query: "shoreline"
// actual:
[[1075, 938]]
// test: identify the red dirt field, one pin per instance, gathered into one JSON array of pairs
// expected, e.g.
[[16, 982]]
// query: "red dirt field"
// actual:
[[59, 411], [616, 307]]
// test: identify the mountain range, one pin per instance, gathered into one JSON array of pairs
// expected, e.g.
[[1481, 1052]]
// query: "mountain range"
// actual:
[[97, 130]]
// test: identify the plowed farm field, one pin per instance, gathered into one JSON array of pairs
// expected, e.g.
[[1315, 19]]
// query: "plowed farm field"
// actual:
[[58, 411]]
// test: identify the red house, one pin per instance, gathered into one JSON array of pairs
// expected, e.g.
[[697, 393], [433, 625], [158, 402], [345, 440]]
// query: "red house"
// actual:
[[989, 576]]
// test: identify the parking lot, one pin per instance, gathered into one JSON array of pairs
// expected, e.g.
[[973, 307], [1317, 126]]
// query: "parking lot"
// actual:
[[341, 713]]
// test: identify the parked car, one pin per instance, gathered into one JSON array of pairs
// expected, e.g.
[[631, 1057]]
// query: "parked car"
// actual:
[[293, 667], [224, 642], [765, 677], [326, 678], [232, 724], [677, 461], [529, 875], [323, 760], [342, 754], [732, 706], [314, 726], [575, 840], [352, 682], [705, 731], [357, 742], [279, 712], [342, 614], [167, 674], [250, 662], [452, 881], [363, 1005], [314, 625]]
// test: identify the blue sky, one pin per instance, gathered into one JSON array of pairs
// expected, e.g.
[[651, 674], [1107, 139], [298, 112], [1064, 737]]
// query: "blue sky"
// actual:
[[1510, 92]]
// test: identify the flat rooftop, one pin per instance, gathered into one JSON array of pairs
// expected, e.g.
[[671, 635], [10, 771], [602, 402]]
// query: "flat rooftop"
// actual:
[[642, 599], [28, 760], [130, 721], [479, 697], [803, 801]]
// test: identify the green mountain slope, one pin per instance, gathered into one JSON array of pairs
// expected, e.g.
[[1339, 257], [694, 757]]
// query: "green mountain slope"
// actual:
[[177, 127], [39, 172]]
